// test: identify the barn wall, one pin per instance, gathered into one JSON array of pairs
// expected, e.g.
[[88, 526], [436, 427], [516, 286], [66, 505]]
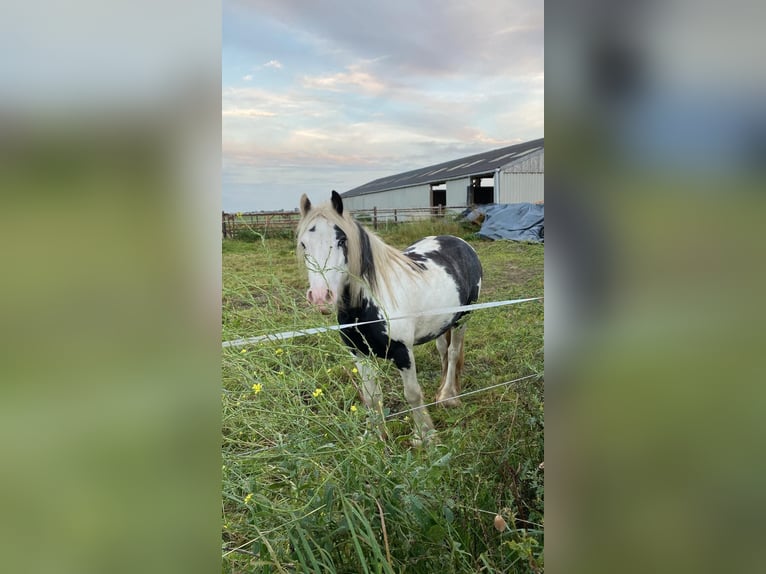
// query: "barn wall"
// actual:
[[456, 194], [532, 163], [416, 196], [520, 187], [522, 180]]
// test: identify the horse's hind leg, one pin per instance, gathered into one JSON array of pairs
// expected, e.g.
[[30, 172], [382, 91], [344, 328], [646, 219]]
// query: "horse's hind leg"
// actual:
[[442, 345], [450, 386]]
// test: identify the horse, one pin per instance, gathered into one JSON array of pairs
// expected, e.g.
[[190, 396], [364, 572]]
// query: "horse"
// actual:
[[352, 269]]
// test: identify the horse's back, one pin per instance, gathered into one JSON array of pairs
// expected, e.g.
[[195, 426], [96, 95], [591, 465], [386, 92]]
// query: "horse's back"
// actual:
[[456, 257]]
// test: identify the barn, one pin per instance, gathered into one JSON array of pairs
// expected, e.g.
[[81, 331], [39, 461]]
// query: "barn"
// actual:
[[512, 174]]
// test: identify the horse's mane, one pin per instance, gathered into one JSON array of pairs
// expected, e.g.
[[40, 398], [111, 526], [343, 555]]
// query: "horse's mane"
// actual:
[[372, 264]]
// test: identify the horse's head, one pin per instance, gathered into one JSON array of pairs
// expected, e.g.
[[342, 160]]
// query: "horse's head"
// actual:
[[322, 245]]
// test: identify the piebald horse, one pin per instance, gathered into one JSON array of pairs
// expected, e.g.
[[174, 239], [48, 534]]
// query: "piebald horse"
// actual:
[[352, 269]]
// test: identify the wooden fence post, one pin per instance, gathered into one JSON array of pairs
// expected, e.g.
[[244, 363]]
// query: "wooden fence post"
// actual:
[[375, 217]]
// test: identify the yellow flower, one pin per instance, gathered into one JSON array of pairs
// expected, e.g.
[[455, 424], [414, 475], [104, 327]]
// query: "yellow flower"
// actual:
[[317, 393], [257, 388], [243, 351], [353, 408], [248, 498], [329, 371], [281, 373], [278, 352], [355, 370]]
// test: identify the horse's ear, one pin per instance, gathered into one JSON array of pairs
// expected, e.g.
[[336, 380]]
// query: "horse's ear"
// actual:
[[305, 204], [337, 202]]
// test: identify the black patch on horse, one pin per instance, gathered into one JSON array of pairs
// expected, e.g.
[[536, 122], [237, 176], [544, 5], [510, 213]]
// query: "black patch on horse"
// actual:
[[367, 263], [341, 238], [460, 261], [370, 339], [418, 258], [432, 336]]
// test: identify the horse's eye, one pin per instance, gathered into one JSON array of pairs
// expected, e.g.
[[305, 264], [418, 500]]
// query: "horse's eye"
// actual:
[[342, 242]]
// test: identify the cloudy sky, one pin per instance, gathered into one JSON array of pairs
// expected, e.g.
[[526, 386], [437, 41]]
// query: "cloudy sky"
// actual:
[[333, 94]]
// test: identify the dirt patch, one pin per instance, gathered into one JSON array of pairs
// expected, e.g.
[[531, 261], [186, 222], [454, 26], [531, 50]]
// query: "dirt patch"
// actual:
[[516, 275], [237, 303]]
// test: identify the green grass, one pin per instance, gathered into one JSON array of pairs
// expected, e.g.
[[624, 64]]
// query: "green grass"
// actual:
[[307, 484]]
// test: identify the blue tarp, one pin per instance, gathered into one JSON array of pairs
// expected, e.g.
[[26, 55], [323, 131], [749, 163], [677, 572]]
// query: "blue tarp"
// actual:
[[515, 221]]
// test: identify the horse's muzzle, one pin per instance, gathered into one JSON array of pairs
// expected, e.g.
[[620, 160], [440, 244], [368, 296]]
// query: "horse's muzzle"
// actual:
[[322, 299]]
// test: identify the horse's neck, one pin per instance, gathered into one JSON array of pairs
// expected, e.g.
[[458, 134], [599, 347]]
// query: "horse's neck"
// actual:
[[390, 255], [390, 272]]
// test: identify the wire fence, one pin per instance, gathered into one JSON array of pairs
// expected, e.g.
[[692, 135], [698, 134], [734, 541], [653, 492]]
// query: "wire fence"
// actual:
[[283, 223]]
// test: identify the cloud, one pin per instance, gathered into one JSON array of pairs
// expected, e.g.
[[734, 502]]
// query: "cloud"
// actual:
[[433, 38], [286, 102], [247, 113], [355, 78], [392, 127], [273, 64], [247, 77]]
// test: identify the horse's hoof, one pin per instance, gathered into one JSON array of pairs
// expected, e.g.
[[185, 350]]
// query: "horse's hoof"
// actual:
[[449, 402], [428, 439]]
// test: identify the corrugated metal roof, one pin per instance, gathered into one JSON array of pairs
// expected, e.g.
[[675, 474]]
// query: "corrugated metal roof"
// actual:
[[479, 164]]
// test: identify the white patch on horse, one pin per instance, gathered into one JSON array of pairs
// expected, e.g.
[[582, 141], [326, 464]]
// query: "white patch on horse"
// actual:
[[423, 246]]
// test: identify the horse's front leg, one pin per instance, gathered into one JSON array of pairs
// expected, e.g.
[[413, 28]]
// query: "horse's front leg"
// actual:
[[371, 394], [414, 395]]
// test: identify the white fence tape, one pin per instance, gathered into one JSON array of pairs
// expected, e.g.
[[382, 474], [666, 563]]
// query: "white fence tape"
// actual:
[[314, 330]]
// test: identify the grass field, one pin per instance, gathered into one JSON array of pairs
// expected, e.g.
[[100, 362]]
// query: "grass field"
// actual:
[[307, 484]]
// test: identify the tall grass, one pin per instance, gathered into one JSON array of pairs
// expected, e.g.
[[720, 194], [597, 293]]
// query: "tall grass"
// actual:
[[307, 484]]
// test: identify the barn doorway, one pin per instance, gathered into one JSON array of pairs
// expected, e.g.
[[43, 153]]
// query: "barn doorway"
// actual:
[[439, 195], [481, 191]]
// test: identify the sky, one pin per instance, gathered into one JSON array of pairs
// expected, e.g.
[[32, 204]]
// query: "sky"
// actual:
[[330, 95]]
